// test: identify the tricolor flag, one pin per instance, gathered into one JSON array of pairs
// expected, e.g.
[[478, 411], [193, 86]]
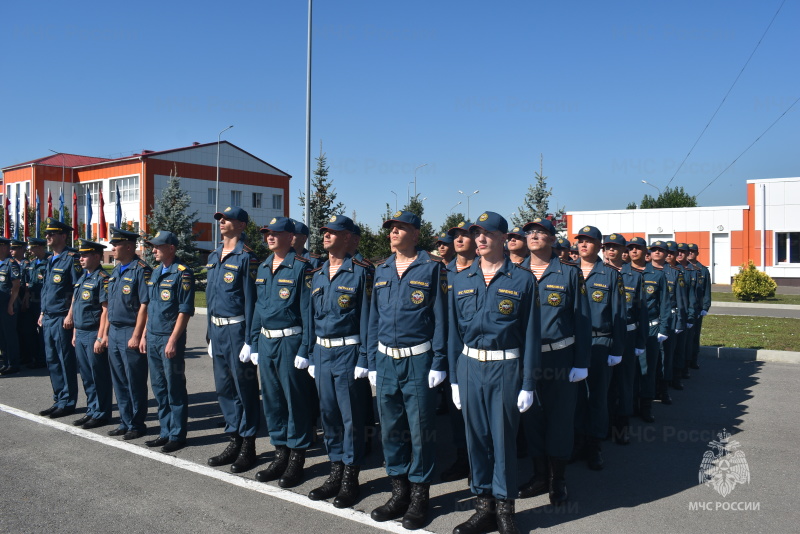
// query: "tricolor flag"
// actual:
[[61, 205], [49, 203]]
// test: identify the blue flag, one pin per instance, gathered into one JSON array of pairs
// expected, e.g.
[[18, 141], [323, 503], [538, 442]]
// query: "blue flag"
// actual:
[[37, 215], [118, 219], [16, 222], [88, 214], [61, 206]]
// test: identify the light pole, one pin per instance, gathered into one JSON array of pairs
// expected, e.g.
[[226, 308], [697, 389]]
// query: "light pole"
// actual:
[[216, 194], [395, 200], [466, 195], [651, 185], [308, 120], [415, 177], [454, 207], [408, 192], [63, 165]]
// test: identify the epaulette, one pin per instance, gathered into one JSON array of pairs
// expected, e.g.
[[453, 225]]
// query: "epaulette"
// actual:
[[676, 268], [315, 270], [379, 262], [524, 268], [361, 263], [565, 262], [143, 264], [637, 269], [436, 258], [181, 267], [104, 274], [248, 249], [71, 252], [315, 256], [301, 258], [365, 260], [613, 267]]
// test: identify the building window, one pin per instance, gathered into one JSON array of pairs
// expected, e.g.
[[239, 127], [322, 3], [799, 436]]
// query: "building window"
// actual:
[[277, 202], [212, 196], [256, 200], [236, 198], [128, 189], [787, 247], [93, 188]]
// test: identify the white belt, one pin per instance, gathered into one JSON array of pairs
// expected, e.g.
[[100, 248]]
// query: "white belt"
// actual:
[[674, 310], [490, 355], [558, 345], [404, 352], [223, 321], [293, 331], [632, 327], [601, 334], [338, 341], [655, 323]]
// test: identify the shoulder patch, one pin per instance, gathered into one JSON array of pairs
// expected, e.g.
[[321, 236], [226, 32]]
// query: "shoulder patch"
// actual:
[[524, 269], [301, 258], [315, 256], [436, 258], [380, 262], [362, 264], [315, 270], [181, 267]]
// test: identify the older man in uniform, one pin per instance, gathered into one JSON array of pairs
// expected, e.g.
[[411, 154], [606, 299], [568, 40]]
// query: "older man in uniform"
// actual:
[[171, 305], [34, 279], [63, 271], [494, 350], [703, 303], [339, 322], [128, 296], [10, 283], [407, 352]]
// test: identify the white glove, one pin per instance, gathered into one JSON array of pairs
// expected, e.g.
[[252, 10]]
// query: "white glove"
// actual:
[[578, 373], [373, 378], [661, 338], [245, 353], [361, 373], [210, 352], [703, 313], [689, 325], [311, 371], [524, 400], [435, 378], [678, 331], [638, 352], [456, 396], [254, 358], [300, 362], [614, 360]]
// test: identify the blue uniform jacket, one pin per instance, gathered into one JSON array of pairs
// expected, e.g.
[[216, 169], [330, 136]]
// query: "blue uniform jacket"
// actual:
[[658, 297], [34, 278], [502, 316], [690, 277], [314, 261], [635, 304], [127, 290], [674, 279], [703, 287], [230, 291], [90, 293], [340, 307], [9, 271], [171, 293], [607, 304], [283, 298], [411, 310], [60, 277]]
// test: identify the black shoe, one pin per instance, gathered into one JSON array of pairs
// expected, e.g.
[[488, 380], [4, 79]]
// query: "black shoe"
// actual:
[[173, 445], [685, 374], [349, 490], [133, 434], [398, 503], [247, 456], [459, 469], [646, 410], [621, 431], [158, 442], [539, 482], [9, 371], [595, 457], [417, 514], [230, 453], [663, 394], [277, 467], [62, 412], [82, 421], [119, 431], [95, 423], [36, 365], [676, 384], [293, 475], [505, 517], [483, 520], [694, 365], [48, 411], [3, 368], [558, 484], [331, 486]]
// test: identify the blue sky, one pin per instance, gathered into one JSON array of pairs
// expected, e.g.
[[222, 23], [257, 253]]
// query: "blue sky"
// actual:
[[609, 93]]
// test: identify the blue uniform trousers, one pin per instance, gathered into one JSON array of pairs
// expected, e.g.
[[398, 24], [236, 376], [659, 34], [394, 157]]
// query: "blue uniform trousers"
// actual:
[[489, 392], [681, 345], [591, 415], [667, 353], [548, 424], [407, 410], [287, 393], [129, 377], [30, 335], [620, 392], [168, 380], [9, 340], [694, 351], [341, 403], [95, 374], [647, 381], [60, 361], [236, 382], [456, 418]]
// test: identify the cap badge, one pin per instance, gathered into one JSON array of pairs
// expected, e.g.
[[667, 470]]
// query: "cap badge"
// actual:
[[273, 221], [333, 218], [483, 217]]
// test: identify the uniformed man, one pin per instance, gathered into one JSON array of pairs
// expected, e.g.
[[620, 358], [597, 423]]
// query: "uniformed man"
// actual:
[[690, 274], [34, 279], [281, 351], [444, 246], [573, 253], [10, 283], [231, 296], [128, 297], [339, 321], [703, 302], [171, 305], [494, 349], [63, 271], [299, 244], [561, 248], [566, 349], [659, 316], [685, 289], [89, 310], [517, 245], [607, 305], [24, 340], [407, 352]]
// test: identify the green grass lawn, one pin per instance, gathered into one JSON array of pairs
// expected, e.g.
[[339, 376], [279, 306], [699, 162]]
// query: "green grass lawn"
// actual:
[[199, 299], [777, 299], [748, 332]]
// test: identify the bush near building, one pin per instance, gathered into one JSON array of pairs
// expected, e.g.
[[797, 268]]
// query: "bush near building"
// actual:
[[751, 285]]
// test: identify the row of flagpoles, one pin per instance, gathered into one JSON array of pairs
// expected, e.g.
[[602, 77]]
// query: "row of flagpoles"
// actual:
[[101, 225]]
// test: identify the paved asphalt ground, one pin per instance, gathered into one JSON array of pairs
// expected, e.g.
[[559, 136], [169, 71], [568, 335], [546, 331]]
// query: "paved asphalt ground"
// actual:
[[55, 478]]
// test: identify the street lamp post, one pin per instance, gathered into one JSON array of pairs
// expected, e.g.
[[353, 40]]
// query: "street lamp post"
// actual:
[[408, 192], [395, 200], [454, 207], [468, 195], [216, 194], [415, 177], [651, 185]]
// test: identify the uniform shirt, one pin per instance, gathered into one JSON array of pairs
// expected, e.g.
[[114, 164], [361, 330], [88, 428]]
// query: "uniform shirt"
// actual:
[[230, 291], [90, 293], [565, 308], [635, 304], [657, 297], [690, 275], [703, 288], [340, 306], [411, 309], [9, 271], [685, 295], [23, 284], [501, 316], [60, 277], [127, 290], [34, 278], [607, 305], [314, 261], [674, 278], [282, 298], [171, 293]]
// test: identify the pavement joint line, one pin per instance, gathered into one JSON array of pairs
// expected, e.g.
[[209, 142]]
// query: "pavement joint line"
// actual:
[[271, 491]]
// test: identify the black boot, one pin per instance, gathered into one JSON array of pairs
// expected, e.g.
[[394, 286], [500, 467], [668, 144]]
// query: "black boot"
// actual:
[[663, 395], [348, 493], [293, 475], [558, 483], [579, 449], [483, 520], [247, 456], [676, 381], [505, 517], [397, 504], [646, 410], [417, 513], [622, 430], [277, 467], [685, 373], [331, 486], [230, 453], [538, 484], [459, 469], [595, 457]]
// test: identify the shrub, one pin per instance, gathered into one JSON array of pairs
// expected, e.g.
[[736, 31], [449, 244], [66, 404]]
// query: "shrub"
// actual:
[[751, 285]]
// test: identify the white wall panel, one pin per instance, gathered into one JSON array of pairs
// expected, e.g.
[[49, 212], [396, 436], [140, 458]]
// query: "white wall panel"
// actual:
[[230, 157]]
